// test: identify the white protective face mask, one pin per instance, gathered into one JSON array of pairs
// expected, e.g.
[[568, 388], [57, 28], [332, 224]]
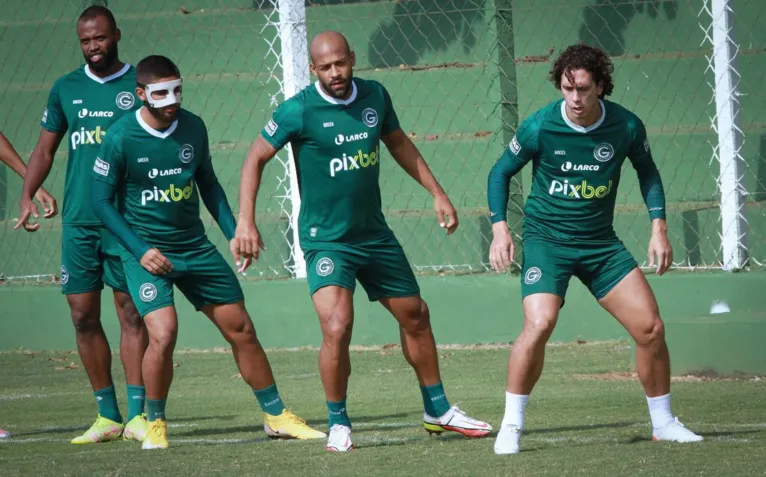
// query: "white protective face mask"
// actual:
[[171, 97]]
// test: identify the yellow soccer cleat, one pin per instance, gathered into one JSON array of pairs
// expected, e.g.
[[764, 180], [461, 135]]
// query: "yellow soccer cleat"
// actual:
[[103, 430], [289, 426], [137, 429], [157, 435]]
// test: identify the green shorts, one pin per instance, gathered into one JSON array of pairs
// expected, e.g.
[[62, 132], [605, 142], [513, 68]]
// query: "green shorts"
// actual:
[[547, 266], [380, 266], [202, 275], [90, 257]]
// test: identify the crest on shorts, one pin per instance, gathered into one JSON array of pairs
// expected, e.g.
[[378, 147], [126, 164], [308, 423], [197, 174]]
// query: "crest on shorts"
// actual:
[[325, 267], [147, 292], [603, 152], [370, 117], [64, 275], [532, 276]]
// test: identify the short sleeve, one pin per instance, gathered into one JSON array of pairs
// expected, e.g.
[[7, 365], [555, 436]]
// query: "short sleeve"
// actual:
[[54, 119], [524, 145], [390, 119], [639, 144], [285, 124], [110, 163]]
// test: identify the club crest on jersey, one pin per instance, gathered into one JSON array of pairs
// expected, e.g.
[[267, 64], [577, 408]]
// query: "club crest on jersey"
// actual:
[[370, 117], [147, 292], [186, 153], [125, 100], [325, 267], [603, 152], [532, 275]]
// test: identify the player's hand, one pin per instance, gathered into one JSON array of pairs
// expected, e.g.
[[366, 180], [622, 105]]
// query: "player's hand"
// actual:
[[47, 201], [156, 263], [445, 213], [242, 261], [246, 244], [660, 249], [27, 208], [501, 250]]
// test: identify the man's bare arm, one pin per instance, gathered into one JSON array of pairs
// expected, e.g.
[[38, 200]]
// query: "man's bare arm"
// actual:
[[40, 162]]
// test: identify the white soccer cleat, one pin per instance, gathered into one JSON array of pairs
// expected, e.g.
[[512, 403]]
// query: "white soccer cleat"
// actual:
[[456, 420], [675, 432], [340, 439], [507, 441]]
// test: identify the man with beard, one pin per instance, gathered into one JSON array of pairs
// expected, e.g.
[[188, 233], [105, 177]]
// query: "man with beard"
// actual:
[[335, 127], [84, 104], [154, 162]]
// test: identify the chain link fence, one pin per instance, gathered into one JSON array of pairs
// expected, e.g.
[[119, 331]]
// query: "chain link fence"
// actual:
[[462, 75]]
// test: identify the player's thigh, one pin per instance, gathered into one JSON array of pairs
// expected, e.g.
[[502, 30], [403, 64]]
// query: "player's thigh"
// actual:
[[81, 266], [546, 268], [338, 268], [149, 292], [334, 306], [603, 266], [387, 273], [113, 273], [207, 278], [632, 302]]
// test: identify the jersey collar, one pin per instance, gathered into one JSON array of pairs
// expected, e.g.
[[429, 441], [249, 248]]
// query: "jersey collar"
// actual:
[[109, 78], [332, 100], [580, 128], [154, 132]]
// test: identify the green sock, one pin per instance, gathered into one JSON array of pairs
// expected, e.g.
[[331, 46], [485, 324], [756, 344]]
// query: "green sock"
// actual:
[[155, 409], [337, 411], [269, 400], [107, 404], [435, 400], [136, 398]]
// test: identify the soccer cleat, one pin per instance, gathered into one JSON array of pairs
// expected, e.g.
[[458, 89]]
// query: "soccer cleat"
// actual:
[[136, 429], [289, 426], [675, 432], [157, 435], [340, 439], [103, 430], [507, 441], [4, 434], [456, 420]]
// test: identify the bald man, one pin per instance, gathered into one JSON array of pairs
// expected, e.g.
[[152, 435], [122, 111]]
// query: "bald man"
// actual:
[[334, 128]]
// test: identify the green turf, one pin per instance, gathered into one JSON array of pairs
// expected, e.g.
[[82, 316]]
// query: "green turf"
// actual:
[[577, 425]]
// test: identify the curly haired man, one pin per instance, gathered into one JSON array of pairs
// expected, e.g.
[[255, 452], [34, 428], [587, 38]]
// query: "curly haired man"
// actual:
[[577, 146]]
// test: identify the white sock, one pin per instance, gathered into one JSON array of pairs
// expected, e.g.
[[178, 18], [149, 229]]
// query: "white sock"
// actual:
[[514, 409], [659, 410]]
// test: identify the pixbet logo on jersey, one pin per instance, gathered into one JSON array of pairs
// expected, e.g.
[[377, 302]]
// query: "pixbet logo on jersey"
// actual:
[[172, 194], [580, 191], [358, 161], [87, 138]]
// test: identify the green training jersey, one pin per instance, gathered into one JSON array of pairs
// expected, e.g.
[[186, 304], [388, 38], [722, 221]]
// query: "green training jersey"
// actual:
[[336, 145], [85, 106], [576, 171], [156, 174]]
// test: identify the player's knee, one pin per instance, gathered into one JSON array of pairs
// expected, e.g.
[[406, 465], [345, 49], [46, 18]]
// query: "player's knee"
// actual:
[[337, 327], [242, 331], [540, 326], [650, 335], [417, 320], [85, 319], [130, 319], [163, 339]]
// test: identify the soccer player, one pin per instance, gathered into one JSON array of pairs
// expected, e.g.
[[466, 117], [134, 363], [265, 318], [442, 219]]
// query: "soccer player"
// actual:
[[84, 104], [154, 162], [577, 146], [335, 127], [11, 158]]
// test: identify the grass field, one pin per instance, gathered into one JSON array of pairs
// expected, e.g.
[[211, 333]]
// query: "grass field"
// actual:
[[587, 416]]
